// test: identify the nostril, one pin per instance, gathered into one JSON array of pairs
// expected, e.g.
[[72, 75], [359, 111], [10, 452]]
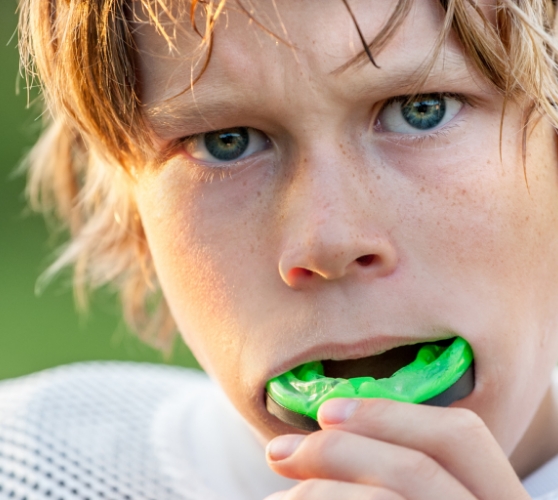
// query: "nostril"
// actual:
[[366, 260], [300, 272]]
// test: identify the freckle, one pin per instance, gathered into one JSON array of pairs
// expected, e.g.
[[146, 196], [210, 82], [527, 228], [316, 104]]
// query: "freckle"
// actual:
[[378, 177], [259, 193]]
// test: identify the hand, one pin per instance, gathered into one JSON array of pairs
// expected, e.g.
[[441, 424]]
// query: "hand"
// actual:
[[376, 449]]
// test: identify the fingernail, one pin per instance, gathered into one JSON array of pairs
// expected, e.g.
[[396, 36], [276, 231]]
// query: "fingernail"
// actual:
[[283, 446], [337, 410]]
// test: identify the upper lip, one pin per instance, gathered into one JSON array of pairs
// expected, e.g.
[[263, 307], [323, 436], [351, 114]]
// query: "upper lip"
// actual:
[[342, 351]]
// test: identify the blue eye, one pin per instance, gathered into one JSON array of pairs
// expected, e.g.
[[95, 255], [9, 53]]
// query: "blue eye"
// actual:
[[405, 115], [226, 145], [425, 113]]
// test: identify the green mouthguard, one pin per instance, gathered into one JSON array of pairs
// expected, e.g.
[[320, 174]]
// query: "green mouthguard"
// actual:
[[435, 370]]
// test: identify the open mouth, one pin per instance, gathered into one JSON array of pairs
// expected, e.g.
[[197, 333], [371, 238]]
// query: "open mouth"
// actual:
[[436, 373], [378, 366]]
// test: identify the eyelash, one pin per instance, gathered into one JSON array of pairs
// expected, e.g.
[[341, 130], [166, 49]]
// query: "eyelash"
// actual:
[[207, 175], [402, 98], [420, 139]]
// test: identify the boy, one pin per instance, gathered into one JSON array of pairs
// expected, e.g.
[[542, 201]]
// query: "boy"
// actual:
[[298, 199]]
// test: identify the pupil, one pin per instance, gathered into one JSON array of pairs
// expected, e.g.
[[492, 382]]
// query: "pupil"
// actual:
[[425, 112], [227, 145]]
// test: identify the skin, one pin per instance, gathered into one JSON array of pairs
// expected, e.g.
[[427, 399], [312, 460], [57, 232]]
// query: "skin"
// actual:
[[342, 239]]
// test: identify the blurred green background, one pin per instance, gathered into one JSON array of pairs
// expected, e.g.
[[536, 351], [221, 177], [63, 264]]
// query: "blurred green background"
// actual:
[[38, 332]]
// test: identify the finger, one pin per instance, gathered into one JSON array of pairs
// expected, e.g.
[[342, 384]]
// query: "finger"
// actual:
[[346, 457], [322, 489], [456, 438]]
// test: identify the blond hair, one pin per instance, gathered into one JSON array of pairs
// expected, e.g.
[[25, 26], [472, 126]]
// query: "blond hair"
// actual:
[[96, 135]]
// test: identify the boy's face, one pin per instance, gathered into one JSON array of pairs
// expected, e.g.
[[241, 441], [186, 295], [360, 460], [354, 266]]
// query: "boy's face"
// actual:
[[348, 227]]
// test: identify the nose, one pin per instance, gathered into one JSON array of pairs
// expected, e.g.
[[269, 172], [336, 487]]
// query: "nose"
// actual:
[[334, 232]]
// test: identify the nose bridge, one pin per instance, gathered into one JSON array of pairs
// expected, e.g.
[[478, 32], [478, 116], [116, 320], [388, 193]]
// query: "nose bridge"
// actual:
[[326, 202], [332, 222]]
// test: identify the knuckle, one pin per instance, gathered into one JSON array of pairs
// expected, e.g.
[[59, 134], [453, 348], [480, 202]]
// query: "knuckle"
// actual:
[[322, 488], [311, 488], [323, 441], [418, 464], [322, 449], [319, 489], [384, 495], [469, 421], [379, 405]]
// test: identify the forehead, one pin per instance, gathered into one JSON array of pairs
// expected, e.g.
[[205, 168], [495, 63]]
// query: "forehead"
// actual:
[[292, 44]]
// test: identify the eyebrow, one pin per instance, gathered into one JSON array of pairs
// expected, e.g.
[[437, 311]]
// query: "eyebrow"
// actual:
[[438, 64], [409, 81], [203, 110], [192, 110]]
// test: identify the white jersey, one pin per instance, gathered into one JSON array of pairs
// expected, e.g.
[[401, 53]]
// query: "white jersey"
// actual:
[[128, 431]]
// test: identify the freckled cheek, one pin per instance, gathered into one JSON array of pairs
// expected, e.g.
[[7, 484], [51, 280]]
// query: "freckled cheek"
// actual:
[[210, 253], [481, 246], [493, 246], [476, 225]]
